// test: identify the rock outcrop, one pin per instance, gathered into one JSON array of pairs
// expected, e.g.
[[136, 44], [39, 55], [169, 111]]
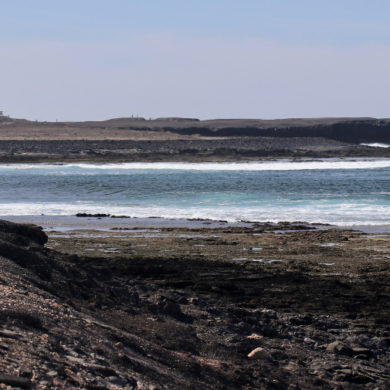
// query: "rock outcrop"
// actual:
[[181, 139], [125, 323]]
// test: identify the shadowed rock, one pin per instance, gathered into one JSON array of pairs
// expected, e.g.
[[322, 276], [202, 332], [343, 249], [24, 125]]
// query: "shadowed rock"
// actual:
[[31, 232]]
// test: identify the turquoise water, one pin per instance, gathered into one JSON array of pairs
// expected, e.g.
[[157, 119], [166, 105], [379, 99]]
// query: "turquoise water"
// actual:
[[341, 192]]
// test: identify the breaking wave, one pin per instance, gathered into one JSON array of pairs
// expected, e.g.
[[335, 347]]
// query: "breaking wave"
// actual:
[[275, 165]]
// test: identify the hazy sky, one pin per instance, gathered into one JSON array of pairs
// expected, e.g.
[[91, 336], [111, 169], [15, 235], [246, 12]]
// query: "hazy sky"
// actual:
[[96, 59]]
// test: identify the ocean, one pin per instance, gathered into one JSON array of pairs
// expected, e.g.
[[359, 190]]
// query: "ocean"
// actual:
[[335, 191]]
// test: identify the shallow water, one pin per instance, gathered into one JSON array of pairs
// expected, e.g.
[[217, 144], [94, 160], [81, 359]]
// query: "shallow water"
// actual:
[[267, 261], [339, 192]]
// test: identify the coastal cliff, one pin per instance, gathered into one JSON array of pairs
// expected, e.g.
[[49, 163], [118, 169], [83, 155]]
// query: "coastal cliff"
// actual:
[[353, 130]]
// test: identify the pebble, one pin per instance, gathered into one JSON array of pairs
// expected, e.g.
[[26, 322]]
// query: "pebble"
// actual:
[[255, 336], [308, 340], [75, 359], [258, 354], [9, 334], [361, 351], [340, 348]]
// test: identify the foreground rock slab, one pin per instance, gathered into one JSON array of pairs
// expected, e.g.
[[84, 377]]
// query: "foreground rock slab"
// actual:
[[186, 322]]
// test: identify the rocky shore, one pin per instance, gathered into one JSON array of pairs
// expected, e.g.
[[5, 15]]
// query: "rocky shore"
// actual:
[[242, 149], [282, 306], [178, 139]]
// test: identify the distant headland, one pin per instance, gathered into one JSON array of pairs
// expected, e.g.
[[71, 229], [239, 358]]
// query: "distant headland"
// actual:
[[191, 139]]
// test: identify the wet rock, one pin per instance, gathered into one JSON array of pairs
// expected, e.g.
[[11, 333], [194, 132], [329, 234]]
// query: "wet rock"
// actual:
[[86, 215]]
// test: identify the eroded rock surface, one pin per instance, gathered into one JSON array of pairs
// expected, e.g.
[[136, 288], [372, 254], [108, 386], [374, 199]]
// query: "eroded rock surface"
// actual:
[[185, 322]]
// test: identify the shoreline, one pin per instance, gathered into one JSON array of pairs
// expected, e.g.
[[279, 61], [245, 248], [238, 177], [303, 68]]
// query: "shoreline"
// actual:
[[261, 159], [102, 158], [187, 220], [227, 307], [176, 150], [106, 223]]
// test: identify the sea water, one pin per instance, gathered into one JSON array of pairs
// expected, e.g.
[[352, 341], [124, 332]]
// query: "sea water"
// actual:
[[335, 191]]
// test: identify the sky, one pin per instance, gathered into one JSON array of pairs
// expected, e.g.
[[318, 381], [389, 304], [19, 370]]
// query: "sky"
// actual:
[[99, 59]]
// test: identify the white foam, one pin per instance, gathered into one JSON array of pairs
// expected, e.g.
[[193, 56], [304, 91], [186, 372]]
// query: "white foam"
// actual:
[[335, 214], [376, 145], [275, 165], [267, 261]]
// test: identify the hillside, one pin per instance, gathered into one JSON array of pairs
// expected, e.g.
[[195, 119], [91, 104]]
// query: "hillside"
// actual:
[[354, 130]]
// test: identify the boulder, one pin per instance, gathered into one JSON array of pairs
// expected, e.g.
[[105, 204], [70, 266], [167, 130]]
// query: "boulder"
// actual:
[[31, 232]]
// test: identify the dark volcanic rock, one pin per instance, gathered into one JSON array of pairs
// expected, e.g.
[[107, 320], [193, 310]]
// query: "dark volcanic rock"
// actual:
[[339, 347], [30, 232], [15, 381], [24, 244], [132, 323], [214, 149], [181, 139], [86, 215]]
